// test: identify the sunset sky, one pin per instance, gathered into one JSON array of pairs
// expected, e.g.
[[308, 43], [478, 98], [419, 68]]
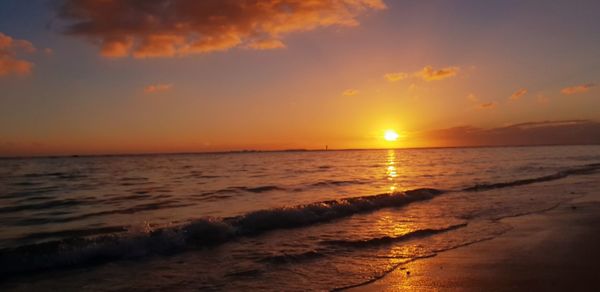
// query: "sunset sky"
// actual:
[[130, 76]]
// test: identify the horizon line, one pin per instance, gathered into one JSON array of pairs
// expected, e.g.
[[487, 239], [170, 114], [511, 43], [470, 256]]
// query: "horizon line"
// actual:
[[246, 151]]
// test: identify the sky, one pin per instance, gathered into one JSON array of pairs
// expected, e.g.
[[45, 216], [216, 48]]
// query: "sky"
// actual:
[[131, 76]]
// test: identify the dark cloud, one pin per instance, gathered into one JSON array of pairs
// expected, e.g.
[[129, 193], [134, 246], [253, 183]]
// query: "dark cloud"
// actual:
[[167, 28], [536, 133]]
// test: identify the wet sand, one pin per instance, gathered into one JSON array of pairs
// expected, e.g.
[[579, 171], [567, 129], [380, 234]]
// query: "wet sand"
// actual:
[[558, 250]]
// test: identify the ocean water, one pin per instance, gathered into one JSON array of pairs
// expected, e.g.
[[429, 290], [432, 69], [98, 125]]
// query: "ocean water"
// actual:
[[316, 220]]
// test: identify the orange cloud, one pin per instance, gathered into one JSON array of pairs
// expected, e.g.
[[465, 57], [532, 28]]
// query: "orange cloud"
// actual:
[[472, 98], [577, 89], [393, 77], [266, 44], [156, 88], [479, 104], [487, 105], [350, 92], [518, 94], [429, 74], [9, 62], [166, 28]]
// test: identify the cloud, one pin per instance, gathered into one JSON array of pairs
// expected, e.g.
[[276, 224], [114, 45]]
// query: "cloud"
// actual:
[[481, 105], [430, 74], [577, 89], [167, 28], [427, 74], [394, 77], [487, 105], [532, 133], [350, 92], [10, 64], [518, 94], [472, 97], [156, 88], [266, 45]]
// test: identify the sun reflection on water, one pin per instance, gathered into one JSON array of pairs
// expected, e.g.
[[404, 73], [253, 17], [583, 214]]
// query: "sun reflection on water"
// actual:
[[392, 171], [395, 227]]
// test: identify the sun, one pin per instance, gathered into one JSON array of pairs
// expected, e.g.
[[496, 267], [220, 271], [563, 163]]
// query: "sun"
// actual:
[[390, 135]]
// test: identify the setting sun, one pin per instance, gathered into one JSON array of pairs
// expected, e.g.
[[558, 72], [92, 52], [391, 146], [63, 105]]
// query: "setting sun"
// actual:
[[390, 135]]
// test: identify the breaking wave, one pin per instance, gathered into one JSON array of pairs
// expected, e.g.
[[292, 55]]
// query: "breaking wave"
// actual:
[[78, 251], [392, 239]]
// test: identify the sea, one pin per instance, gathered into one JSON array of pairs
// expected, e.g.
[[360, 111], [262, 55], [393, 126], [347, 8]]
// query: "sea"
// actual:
[[284, 221]]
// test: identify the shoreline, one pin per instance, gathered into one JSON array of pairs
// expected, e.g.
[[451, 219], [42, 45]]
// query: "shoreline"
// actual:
[[553, 250]]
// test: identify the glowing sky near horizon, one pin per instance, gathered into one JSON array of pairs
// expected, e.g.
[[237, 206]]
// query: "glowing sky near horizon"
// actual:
[[211, 75]]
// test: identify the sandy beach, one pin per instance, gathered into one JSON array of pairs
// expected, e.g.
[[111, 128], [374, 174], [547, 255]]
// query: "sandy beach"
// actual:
[[555, 250]]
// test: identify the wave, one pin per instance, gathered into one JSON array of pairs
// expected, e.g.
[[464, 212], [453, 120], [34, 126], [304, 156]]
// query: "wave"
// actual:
[[261, 189], [338, 183], [164, 204], [293, 258], [258, 189], [78, 251], [134, 178], [56, 175], [392, 239], [289, 217], [355, 244], [60, 175], [41, 206], [585, 169], [75, 232]]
